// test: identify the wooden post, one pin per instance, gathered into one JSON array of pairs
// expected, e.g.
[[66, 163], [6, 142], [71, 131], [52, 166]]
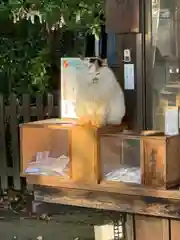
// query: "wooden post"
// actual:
[[3, 157], [14, 141], [129, 228]]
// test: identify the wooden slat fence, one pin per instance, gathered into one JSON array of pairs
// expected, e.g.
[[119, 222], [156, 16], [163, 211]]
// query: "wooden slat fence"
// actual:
[[11, 115]]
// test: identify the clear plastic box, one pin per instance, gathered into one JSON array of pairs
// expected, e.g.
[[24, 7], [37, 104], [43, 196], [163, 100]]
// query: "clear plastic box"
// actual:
[[45, 150], [120, 158]]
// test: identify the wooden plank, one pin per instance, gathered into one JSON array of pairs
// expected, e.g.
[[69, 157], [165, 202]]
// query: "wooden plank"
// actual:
[[33, 110], [152, 206], [129, 227], [175, 230], [154, 155], [39, 107], [148, 228], [3, 157], [161, 161], [15, 142], [26, 113], [50, 107], [123, 188], [172, 163], [112, 55], [122, 16]]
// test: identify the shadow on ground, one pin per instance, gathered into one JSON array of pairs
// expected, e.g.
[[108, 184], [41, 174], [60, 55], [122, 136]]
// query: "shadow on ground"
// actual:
[[65, 223]]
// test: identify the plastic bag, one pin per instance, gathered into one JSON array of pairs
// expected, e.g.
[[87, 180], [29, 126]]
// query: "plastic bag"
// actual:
[[125, 174], [48, 166]]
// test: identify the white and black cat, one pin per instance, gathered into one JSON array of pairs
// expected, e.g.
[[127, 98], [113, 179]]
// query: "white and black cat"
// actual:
[[99, 97]]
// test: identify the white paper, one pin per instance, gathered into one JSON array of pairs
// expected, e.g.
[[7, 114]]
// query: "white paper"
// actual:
[[172, 121], [129, 77], [46, 165], [70, 70]]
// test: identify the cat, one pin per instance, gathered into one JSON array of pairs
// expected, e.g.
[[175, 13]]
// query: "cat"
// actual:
[[99, 97]]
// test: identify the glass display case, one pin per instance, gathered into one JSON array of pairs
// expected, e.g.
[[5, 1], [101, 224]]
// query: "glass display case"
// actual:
[[148, 158], [120, 158], [45, 149]]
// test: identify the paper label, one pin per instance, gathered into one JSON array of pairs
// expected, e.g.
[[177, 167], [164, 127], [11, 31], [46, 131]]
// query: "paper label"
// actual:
[[129, 77], [172, 121]]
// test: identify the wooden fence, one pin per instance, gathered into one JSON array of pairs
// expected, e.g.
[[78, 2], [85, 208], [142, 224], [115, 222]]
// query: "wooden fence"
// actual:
[[11, 115]]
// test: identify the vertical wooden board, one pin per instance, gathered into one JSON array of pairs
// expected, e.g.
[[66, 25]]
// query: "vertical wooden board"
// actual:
[[112, 54], [132, 42], [84, 152], [39, 107], [50, 106], [154, 155], [129, 227], [175, 230], [122, 16], [151, 228], [3, 160], [26, 108], [173, 161], [15, 141]]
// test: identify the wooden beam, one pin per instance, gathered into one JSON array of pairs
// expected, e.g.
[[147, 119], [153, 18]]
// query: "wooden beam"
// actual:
[[123, 188], [154, 206]]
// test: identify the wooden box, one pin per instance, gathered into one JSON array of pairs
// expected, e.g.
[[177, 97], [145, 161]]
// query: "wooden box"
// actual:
[[148, 158], [161, 161], [120, 156], [79, 144]]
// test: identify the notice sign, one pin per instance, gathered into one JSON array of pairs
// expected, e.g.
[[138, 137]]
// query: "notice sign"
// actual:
[[70, 72], [129, 77]]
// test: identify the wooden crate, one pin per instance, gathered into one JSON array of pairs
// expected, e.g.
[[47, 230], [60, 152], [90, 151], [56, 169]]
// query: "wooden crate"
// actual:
[[80, 144], [161, 161], [157, 157]]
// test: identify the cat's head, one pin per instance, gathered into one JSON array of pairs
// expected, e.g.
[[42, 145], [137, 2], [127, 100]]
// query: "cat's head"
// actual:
[[94, 64]]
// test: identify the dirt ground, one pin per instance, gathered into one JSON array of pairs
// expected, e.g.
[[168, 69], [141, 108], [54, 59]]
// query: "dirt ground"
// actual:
[[70, 223]]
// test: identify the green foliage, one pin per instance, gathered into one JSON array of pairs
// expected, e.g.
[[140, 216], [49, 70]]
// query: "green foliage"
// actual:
[[71, 14], [26, 47], [24, 61]]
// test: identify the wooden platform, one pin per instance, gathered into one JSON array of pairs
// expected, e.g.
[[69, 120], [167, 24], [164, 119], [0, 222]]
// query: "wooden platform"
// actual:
[[150, 214], [130, 199]]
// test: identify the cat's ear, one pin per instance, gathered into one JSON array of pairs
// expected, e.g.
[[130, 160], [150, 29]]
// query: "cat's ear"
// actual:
[[81, 57], [104, 62]]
